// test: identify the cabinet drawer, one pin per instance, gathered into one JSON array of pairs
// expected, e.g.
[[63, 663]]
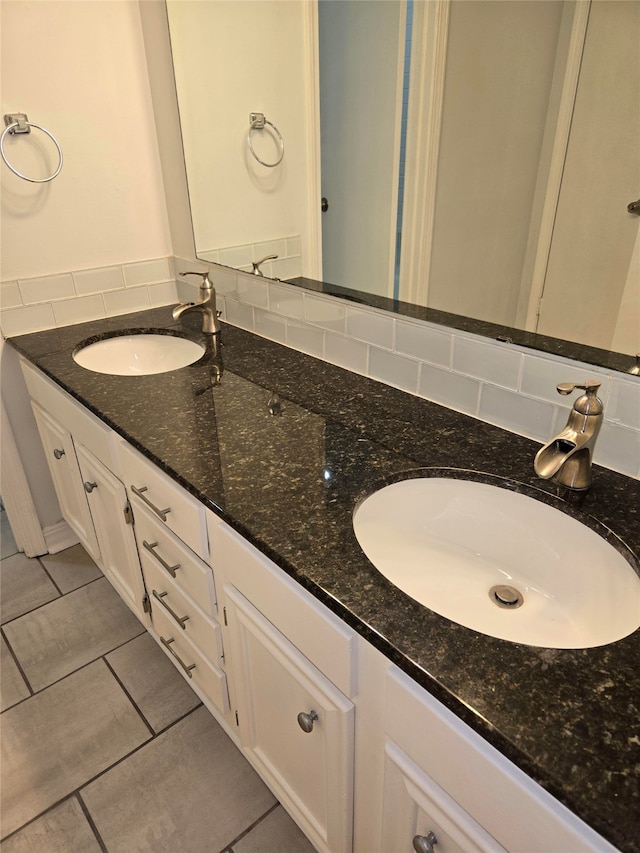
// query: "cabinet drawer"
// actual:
[[206, 678], [149, 487], [181, 610], [173, 558]]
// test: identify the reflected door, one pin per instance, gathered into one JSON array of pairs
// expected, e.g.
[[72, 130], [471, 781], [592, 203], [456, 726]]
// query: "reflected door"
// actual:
[[592, 287]]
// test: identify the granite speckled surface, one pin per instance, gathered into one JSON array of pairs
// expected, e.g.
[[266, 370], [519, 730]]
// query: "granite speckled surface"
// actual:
[[289, 482]]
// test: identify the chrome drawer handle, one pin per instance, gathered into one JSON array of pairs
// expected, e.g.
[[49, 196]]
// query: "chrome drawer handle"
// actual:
[[58, 453], [149, 546], [159, 596], [306, 721], [424, 844], [167, 645], [161, 513]]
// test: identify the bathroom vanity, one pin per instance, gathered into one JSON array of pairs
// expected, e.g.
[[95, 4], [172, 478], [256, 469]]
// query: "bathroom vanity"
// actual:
[[218, 500]]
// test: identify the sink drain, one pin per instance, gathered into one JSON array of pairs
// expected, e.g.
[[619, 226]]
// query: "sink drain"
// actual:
[[506, 596]]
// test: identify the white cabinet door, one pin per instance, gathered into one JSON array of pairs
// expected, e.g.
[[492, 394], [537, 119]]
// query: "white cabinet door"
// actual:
[[419, 816], [108, 501], [296, 727], [61, 458]]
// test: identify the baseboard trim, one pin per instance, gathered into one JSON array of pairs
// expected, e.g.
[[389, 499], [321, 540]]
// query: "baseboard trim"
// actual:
[[59, 536]]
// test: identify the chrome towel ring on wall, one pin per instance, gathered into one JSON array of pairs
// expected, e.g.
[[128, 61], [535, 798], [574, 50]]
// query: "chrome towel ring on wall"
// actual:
[[257, 121], [19, 123]]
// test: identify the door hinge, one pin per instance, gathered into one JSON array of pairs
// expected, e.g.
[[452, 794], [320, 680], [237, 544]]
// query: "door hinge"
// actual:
[[224, 615], [146, 603], [237, 720], [128, 514]]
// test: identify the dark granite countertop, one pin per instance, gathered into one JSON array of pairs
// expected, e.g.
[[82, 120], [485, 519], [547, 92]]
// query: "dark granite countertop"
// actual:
[[289, 482]]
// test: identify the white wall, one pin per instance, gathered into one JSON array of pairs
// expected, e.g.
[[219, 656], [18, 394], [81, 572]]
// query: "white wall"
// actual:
[[78, 69]]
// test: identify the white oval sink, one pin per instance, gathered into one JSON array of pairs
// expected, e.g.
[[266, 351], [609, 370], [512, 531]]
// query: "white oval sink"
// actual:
[[138, 354], [449, 543]]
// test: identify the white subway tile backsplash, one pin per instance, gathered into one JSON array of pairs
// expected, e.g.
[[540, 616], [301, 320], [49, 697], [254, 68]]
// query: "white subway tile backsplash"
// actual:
[[495, 363], [448, 388], [30, 318], [513, 411], [540, 376], [393, 369], [146, 272], [305, 338], [46, 288], [225, 281], [618, 447], [285, 268], [623, 405], [423, 342], [123, 301], [237, 256], [327, 313], [253, 290], [370, 327], [10, 295], [165, 293], [345, 352], [238, 314], [286, 300], [98, 280], [270, 325], [79, 310]]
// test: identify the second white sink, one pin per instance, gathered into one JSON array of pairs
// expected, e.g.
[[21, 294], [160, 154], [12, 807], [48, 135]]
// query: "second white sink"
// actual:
[[499, 562], [139, 354]]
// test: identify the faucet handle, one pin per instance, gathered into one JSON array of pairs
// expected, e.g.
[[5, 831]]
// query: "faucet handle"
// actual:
[[589, 403]]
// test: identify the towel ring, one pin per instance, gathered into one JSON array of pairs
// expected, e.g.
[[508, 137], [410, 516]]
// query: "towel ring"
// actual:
[[19, 123], [257, 122]]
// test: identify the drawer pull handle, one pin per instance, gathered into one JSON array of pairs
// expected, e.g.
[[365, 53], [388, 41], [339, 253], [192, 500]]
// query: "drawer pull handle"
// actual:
[[58, 453], [159, 596], [149, 546], [167, 645], [424, 843], [306, 721], [89, 487], [161, 513]]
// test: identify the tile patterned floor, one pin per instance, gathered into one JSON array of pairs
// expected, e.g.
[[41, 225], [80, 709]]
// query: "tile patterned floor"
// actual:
[[104, 745]]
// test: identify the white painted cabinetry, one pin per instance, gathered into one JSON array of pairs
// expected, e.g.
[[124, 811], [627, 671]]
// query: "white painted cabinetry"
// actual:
[[61, 458], [296, 727]]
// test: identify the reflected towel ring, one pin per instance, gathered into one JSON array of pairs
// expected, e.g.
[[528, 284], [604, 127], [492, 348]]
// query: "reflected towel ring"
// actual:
[[257, 122], [19, 123]]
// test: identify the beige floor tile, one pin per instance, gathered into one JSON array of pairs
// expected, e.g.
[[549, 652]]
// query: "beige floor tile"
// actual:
[[71, 568], [56, 740], [188, 790], [67, 633], [153, 682], [277, 832], [7, 542], [23, 585], [12, 684], [64, 829]]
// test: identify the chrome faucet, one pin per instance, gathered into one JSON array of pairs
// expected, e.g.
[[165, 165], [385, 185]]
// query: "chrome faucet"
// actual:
[[206, 304], [257, 264], [567, 457]]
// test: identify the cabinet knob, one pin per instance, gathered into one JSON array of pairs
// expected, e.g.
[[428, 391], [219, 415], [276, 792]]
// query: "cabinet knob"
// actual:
[[424, 843], [89, 487], [306, 721], [58, 453]]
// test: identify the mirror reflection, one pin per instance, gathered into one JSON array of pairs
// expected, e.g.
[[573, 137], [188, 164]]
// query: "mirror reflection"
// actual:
[[476, 156]]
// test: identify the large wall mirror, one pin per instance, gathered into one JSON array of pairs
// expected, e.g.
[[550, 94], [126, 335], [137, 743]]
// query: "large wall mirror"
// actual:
[[476, 156]]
